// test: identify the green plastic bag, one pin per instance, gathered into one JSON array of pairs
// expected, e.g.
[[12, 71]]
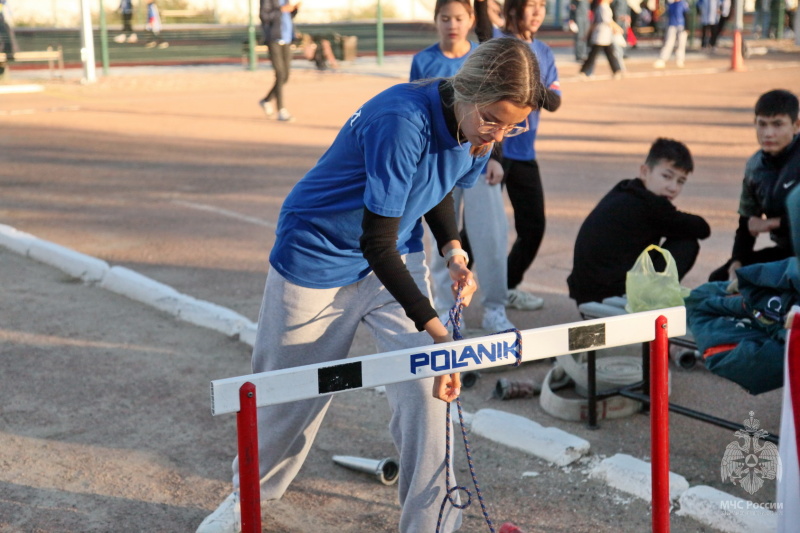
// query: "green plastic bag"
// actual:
[[648, 289]]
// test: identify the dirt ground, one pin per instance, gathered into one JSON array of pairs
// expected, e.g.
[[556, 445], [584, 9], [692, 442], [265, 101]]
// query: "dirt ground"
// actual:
[[105, 422]]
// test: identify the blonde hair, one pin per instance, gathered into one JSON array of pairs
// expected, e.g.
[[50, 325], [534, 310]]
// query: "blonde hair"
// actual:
[[499, 69]]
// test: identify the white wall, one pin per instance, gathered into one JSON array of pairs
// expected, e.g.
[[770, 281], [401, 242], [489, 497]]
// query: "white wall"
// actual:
[[66, 13]]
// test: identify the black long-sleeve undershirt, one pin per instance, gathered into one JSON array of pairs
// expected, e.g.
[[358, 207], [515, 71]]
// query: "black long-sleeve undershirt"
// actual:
[[379, 246]]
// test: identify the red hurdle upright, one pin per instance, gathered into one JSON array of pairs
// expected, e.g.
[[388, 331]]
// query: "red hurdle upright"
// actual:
[[249, 482], [659, 426]]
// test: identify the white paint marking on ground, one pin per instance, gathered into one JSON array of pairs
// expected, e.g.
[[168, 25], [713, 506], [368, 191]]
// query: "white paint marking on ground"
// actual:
[[226, 213], [18, 89]]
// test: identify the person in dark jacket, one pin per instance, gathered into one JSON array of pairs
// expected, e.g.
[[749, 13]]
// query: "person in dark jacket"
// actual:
[[769, 176], [635, 214], [8, 42], [276, 23]]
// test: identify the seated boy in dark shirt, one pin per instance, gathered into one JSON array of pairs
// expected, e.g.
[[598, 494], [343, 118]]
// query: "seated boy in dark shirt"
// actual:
[[769, 176], [635, 214]]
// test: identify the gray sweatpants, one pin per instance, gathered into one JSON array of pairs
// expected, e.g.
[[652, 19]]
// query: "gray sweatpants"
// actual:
[[301, 326], [485, 219]]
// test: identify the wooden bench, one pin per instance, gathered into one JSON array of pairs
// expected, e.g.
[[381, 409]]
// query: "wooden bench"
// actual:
[[641, 391], [182, 14], [53, 56]]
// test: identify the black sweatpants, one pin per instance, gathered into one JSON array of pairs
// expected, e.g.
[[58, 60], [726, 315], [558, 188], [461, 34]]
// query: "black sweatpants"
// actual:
[[281, 57]]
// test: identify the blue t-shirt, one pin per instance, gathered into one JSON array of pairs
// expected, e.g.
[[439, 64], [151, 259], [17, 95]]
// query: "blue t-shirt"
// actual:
[[432, 63], [521, 147], [287, 25], [396, 157], [676, 11]]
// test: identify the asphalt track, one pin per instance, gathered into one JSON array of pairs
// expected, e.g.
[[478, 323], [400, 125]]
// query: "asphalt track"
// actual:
[[174, 174]]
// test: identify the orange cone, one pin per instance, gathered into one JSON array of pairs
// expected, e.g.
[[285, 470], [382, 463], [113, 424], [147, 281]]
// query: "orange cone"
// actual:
[[737, 61]]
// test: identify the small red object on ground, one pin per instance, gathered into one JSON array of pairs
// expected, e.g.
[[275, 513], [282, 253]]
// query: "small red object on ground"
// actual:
[[508, 527]]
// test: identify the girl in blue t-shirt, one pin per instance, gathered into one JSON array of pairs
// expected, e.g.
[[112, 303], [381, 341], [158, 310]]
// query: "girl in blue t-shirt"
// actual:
[[348, 252], [523, 18], [484, 216]]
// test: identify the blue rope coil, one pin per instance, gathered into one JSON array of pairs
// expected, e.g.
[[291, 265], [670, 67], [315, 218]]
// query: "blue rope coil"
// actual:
[[454, 318]]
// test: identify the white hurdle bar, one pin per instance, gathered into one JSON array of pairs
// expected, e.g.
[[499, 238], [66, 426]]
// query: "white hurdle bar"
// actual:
[[368, 371], [243, 394]]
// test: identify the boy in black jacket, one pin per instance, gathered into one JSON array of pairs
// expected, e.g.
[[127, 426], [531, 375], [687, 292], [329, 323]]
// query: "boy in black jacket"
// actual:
[[635, 214], [769, 176]]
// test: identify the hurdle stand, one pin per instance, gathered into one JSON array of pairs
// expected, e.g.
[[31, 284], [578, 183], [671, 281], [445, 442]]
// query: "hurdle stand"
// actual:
[[243, 394]]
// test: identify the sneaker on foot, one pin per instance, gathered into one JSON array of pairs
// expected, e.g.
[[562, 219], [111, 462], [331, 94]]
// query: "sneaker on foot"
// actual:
[[680, 64], [267, 107], [226, 519], [120, 38], [132, 38], [526, 301], [285, 116], [495, 319], [151, 44], [163, 45], [659, 63]]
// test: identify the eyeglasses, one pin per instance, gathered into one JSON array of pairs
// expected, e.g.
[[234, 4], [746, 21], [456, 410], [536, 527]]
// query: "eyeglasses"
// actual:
[[487, 128]]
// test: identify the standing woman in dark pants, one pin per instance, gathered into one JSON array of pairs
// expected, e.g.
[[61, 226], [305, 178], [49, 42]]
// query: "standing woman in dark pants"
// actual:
[[8, 43], [276, 23], [523, 18]]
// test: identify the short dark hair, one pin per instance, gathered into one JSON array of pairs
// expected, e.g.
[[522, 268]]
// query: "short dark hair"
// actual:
[[670, 150], [778, 102], [441, 3]]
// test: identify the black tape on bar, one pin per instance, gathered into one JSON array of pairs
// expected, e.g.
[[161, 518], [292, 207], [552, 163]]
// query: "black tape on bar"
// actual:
[[340, 377], [587, 337]]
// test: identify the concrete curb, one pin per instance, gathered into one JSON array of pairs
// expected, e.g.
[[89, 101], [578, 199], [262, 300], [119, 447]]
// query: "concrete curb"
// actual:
[[131, 284], [724, 512], [634, 476], [75, 264], [549, 443], [20, 89]]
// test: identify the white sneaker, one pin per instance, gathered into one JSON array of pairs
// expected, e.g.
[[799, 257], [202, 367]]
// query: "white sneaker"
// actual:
[[680, 64], [659, 63], [285, 116], [120, 38], [226, 519], [526, 301], [163, 45], [267, 107], [132, 38], [495, 319]]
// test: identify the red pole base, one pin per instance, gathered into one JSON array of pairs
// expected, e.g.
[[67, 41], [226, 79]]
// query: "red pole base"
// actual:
[[659, 426], [737, 60], [249, 482]]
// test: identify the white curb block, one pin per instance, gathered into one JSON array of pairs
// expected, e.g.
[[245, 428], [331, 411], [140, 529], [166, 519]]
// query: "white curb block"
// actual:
[[137, 287], [75, 264], [133, 285], [248, 334], [17, 241], [550, 444], [724, 512], [211, 316], [634, 476]]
